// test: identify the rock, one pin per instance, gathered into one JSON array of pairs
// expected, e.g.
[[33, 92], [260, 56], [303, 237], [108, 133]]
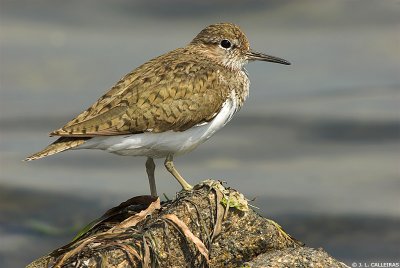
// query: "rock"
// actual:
[[210, 226]]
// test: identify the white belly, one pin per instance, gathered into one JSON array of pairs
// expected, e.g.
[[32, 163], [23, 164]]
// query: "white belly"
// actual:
[[159, 145]]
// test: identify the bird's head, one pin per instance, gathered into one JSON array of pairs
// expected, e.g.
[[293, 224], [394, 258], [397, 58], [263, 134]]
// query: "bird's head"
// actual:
[[229, 46]]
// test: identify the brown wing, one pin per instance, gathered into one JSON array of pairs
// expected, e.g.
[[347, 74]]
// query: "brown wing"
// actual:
[[163, 94]]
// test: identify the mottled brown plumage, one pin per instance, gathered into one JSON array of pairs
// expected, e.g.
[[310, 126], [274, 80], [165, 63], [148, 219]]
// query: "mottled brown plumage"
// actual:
[[174, 91], [177, 91], [156, 97]]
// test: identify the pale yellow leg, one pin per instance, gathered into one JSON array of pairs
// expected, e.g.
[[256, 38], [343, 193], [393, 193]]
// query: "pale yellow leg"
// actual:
[[150, 167], [169, 164]]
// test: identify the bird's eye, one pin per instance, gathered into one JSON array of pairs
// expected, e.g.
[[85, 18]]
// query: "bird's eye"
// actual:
[[226, 44]]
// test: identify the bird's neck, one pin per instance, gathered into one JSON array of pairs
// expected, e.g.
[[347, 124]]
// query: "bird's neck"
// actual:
[[242, 84]]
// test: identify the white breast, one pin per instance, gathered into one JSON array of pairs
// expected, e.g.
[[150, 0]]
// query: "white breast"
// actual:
[[159, 145]]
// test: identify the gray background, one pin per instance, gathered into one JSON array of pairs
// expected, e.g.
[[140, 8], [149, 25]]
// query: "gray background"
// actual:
[[316, 144]]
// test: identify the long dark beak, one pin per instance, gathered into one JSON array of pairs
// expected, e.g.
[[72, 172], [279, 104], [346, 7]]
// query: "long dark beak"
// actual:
[[253, 55]]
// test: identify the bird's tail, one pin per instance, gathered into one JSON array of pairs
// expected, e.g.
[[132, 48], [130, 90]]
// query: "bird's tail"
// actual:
[[62, 144]]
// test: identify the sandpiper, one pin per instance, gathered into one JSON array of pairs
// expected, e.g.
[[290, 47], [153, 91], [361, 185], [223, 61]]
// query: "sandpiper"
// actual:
[[170, 104]]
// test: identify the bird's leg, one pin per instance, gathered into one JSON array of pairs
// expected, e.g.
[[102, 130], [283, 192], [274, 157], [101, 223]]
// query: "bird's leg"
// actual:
[[150, 167], [169, 164]]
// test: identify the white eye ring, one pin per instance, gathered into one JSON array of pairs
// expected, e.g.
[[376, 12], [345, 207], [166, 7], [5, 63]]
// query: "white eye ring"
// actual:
[[226, 44]]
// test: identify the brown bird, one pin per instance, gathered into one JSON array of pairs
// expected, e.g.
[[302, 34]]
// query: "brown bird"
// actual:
[[170, 104]]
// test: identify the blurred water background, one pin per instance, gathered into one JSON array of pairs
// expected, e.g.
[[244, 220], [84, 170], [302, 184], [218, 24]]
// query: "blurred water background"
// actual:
[[317, 143]]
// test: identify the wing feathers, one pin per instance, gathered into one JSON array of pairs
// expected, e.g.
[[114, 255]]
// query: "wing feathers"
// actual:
[[155, 98], [100, 125]]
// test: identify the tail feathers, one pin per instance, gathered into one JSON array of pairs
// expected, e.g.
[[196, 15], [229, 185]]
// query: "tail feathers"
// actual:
[[62, 144]]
